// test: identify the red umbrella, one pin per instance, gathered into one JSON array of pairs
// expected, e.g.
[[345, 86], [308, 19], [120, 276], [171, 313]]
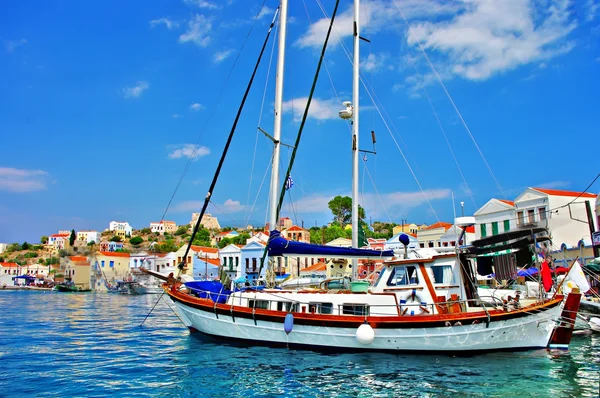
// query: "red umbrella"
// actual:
[[561, 270]]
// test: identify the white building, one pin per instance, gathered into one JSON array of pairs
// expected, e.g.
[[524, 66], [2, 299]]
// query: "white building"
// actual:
[[562, 212], [231, 259], [120, 226], [452, 235], [3, 247], [194, 256], [494, 217], [88, 236], [163, 227], [430, 236], [7, 272]]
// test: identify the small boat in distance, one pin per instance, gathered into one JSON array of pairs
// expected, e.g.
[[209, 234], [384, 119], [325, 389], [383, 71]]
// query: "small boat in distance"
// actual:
[[70, 287]]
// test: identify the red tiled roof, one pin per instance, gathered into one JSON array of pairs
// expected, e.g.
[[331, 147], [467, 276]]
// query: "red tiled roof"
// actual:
[[78, 258], [224, 233], [205, 249], [560, 192], [114, 254], [320, 266], [60, 235], [213, 261], [9, 265], [440, 224], [295, 228], [81, 263], [508, 202]]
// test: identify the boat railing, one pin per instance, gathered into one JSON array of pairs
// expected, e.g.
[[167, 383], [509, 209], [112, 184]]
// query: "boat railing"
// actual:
[[282, 303]]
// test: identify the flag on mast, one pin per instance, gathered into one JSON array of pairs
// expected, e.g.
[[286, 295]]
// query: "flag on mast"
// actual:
[[289, 183]]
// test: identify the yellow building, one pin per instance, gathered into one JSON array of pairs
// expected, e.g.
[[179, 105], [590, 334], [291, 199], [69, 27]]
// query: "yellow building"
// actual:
[[77, 269], [112, 266], [407, 229]]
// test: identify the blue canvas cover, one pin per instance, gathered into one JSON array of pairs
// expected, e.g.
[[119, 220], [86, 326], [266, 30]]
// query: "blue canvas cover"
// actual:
[[279, 246]]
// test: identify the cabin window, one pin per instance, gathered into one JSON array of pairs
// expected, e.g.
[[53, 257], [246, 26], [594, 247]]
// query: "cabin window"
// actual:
[[442, 274], [260, 304], [403, 275], [289, 307], [320, 308], [355, 309]]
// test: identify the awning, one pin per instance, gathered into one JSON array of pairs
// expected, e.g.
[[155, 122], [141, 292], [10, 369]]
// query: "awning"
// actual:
[[279, 246], [29, 278]]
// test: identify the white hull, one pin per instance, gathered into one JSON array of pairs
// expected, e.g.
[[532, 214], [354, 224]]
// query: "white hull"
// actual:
[[530, 331]]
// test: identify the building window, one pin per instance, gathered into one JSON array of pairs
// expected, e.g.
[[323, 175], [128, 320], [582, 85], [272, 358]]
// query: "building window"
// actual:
[[430, 243], [520, 219], [506, 225], [542, 213], [102, 262], [112, 264], [483, 230], [247, 263], [531, 216], [254, 263], [495, 228], [237, 262]]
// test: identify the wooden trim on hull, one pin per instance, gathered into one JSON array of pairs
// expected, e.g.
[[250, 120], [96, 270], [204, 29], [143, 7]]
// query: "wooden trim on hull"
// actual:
[[354, 321]]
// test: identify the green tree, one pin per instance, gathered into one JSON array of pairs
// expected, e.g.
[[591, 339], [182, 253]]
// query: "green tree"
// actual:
[[44, 239], [91, 243], [31, 255], [136, 240], [52, 261], [145, 231], [72, 237], [62, 253], [115, 238], [25, 246], [341, 207], [13, 247], [224, 242], [181, 230], [240, 239]]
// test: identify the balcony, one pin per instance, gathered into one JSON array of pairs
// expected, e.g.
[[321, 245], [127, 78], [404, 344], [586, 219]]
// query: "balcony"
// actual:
[[251, 269], [529, 224]]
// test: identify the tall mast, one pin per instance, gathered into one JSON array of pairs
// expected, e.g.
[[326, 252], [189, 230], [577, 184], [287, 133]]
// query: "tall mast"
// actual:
[[355, 153], [277, 123]]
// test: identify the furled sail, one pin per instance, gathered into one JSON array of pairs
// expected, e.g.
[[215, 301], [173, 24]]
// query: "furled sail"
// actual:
[[279, 246]]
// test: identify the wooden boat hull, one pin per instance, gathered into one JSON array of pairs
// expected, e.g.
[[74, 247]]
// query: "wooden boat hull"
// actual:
[[424, 333]]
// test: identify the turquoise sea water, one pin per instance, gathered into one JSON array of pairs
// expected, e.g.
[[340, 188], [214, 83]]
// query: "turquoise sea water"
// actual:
[[86, 344]]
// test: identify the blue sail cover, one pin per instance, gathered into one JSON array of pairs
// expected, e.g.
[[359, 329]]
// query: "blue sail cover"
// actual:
[[279, 246]]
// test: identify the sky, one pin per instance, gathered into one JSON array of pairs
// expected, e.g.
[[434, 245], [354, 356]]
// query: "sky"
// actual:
[[120, 110]]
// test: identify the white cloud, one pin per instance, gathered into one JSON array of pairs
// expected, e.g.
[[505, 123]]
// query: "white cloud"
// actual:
[[137, 90], [22, 180], [221, 56], [12, 45], [189, 151], [592, 7], [374, 62], [319, 109], [393, 202], [196, 107], [175, 116], [554, 184], [230, 206], [265, 12], [197, 32], [489, 37], [164, 21], [201, 4], [376, 15]]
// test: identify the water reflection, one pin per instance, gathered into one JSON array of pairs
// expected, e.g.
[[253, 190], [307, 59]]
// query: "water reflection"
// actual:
[[92, 344]]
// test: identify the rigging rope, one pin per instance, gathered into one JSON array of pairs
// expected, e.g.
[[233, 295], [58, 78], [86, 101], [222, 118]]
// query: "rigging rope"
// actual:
[[302, 123], [451, 101], [384, 121], [212, 112], [262, 105], [228, 143]]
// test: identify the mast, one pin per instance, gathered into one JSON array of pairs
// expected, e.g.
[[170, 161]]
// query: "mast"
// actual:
[[273, 199], [355, 95]]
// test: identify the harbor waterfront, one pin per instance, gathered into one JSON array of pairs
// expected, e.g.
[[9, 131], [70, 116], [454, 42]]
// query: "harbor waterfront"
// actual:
[[92, 344]]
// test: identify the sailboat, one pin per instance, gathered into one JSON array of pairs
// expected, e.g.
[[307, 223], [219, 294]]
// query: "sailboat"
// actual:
[[419, 303]]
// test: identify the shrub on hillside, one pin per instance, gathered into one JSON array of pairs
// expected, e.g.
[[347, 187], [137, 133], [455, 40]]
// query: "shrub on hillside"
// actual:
[[136, 240]]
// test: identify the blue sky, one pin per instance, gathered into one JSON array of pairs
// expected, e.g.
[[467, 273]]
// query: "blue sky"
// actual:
[[103, 103]]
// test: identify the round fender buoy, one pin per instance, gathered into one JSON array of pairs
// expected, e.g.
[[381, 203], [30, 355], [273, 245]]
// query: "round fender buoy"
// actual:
[[365, 334], [288, 323]]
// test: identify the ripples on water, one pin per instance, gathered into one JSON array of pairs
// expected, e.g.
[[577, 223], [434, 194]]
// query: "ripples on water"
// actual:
[[62, 344]]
